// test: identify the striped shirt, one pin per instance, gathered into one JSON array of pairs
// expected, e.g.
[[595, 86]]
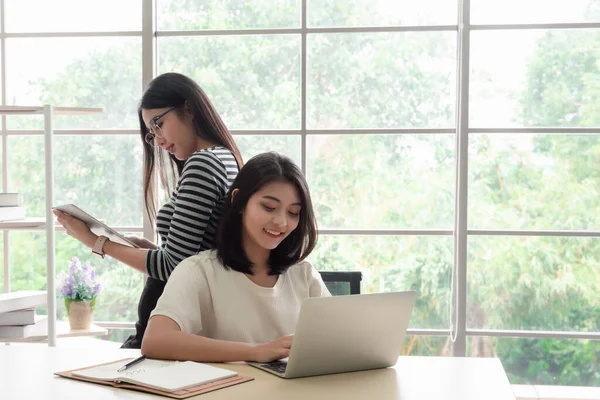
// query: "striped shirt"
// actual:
[[187, 224]]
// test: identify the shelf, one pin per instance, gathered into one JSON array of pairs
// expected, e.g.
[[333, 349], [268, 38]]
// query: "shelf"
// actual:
[[39, 223], [63, 330], [32, 223], [32, 110]]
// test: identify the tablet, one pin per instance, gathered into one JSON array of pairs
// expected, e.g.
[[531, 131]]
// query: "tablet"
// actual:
[[95, 226]]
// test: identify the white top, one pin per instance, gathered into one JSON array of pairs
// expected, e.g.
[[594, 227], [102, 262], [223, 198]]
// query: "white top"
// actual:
[[205, 298]]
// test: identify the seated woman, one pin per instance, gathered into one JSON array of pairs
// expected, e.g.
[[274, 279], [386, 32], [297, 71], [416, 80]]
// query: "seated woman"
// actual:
[[241, 300]]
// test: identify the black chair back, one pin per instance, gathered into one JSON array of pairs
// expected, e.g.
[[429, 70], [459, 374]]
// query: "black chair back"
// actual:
[[342, 282]]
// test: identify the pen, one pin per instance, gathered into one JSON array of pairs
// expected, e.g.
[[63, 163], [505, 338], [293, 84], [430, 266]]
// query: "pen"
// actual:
[[131, 363]]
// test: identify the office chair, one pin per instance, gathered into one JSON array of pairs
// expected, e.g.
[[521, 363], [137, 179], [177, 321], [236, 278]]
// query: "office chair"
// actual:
[[342, 282]]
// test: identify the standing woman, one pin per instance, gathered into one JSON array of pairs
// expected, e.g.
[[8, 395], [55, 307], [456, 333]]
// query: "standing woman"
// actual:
[[185, 141]]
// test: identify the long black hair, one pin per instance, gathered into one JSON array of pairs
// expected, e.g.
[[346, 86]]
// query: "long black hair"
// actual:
[[259, 171], [176, 90]]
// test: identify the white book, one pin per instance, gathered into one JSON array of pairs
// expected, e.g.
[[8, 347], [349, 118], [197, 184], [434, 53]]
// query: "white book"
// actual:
[[24, 331], [169, 376], [13, 301], [12, 213], [96, 226], [9, 199], [19, 317]]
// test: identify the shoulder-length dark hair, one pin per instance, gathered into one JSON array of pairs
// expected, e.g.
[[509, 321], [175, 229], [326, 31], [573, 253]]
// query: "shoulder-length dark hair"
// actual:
[[259, 171], [176, 90]]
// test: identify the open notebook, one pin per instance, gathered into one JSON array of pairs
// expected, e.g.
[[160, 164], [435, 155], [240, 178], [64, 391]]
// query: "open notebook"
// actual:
[[167, 378]]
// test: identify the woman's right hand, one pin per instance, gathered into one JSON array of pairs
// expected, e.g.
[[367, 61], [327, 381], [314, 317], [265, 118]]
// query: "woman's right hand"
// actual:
[[142, 242], [272, 351]]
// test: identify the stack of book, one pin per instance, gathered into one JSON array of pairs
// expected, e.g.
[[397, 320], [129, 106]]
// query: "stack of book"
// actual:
[[9, 207], [18, 319]]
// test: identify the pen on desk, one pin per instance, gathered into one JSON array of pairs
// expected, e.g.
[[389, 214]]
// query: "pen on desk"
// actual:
[[131, 363]]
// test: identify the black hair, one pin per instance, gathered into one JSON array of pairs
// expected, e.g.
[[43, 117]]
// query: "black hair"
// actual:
[[257, 172], [176, 90]]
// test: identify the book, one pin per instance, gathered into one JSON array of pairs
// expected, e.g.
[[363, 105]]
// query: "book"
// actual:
[[12, 213], [13, 301], [96, 226], [169, 376], [19, 317], [9, 199], [24, 331], [166, 378]]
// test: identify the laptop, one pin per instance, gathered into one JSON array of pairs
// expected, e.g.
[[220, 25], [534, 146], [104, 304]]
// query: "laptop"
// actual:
[[346, 333]]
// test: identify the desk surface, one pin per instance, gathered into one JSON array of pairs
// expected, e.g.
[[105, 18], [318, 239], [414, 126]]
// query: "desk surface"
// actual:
[[26, 372]]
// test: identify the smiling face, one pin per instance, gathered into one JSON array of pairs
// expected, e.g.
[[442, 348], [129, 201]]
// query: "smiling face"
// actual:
[[270, 215], [177, 133]]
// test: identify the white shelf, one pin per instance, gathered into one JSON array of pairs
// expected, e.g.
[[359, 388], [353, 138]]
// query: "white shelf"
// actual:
[[63, 330], [53, 329], [33, 110], [31, 223]]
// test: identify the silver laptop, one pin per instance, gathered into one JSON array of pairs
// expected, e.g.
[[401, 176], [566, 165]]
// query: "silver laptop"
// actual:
[[346, 333]]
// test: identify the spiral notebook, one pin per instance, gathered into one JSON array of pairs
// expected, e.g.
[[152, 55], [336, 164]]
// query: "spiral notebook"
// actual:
[[167, 378]]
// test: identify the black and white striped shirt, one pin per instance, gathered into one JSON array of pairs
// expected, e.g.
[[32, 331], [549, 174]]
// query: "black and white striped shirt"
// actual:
[[187, 224]]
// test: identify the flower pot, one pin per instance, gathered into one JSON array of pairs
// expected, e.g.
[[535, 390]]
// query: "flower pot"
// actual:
[[80, 313]]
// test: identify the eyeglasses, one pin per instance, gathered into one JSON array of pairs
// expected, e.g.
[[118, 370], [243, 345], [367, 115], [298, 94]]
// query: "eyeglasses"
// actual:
[[155, 131]]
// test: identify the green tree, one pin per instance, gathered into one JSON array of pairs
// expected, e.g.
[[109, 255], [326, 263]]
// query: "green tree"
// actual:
[[542, 182], [366, 81]]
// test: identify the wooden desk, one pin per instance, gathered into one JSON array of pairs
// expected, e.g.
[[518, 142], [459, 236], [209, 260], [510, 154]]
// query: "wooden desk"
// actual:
[[26, 372]]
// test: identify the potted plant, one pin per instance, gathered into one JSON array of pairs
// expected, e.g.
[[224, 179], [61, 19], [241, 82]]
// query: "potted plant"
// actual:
[[79, 289]]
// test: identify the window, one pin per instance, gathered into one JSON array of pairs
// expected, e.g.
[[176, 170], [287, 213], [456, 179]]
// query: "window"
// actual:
[[363, 95], [95, 61], [532, 215]]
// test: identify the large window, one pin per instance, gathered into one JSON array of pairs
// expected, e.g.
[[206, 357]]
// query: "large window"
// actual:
[[371, 98], [531, 264], [94, 60]]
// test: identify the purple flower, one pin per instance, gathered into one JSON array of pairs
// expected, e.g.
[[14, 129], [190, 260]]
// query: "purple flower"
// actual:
[[97, 288], [78, 282]]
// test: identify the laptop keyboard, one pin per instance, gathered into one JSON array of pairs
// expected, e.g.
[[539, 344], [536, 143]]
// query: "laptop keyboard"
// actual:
[[277, 366]]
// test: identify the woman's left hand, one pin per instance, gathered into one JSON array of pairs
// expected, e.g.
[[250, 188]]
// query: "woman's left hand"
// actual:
[[76, 228]]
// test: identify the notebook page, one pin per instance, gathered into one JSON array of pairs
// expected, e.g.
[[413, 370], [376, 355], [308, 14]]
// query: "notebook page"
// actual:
[[157, 374], [106, 372]]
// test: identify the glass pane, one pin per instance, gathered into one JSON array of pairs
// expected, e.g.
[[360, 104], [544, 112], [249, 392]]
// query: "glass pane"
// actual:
[[334, 13], [72, 16], [565, 362], [120, 335], [535, 78], [27, 254], [184, 15], [1, 44], [382, 181], [102, 174], [534, 11], [2, 263], [87, 72], [533, 283], [251, 145], [381, 80], [396, 263], [427, 346], [509, 176], [253, 81], [121, 285]]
